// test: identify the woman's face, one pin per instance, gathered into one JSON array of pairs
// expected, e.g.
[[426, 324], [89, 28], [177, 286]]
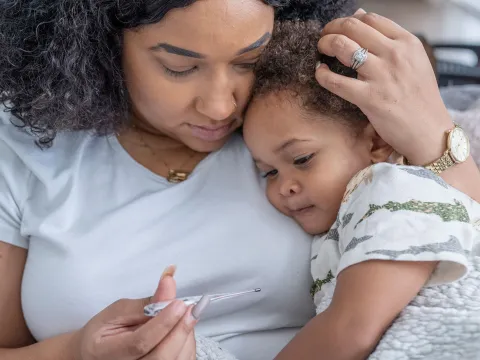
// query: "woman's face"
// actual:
[[189, 76]]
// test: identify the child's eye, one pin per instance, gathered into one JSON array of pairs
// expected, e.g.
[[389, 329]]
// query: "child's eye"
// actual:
[[269, 174], [303, 160]]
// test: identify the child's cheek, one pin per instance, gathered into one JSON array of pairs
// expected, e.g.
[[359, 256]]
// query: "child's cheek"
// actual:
[[273, 195]]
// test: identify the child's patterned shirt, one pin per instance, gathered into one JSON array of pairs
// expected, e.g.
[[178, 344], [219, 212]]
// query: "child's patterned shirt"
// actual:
[[397, 213]]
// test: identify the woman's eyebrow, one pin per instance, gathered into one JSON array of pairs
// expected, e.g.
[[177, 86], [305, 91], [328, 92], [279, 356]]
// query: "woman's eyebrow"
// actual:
[[172, 49], [177, 50], [256, 44]]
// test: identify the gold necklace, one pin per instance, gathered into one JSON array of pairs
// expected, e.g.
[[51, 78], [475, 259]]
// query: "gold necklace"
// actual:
[[173, 175]]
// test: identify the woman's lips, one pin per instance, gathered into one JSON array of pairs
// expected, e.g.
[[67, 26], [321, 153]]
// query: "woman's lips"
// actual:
[[211, 133]]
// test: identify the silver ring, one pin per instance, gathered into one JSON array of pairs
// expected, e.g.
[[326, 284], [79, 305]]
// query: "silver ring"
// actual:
[[359, 57]]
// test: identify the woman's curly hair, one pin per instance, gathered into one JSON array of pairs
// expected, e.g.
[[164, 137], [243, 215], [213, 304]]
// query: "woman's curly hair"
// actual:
[[288, 65], [60, 60]]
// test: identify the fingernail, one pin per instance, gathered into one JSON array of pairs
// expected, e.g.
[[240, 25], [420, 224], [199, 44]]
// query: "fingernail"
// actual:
[[200, 307], [360, 11], [169, 271], [189, 318], [317, 65], [179, 307]]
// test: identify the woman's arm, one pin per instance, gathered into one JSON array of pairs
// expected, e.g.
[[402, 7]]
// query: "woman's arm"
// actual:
[[121, 331], [397, 89], [368, 297], [16, 342], [58, 348], [13, 330], [465, 177]]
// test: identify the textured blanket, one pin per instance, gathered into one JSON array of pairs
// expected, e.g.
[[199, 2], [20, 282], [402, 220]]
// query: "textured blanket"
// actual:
[[208, 349], [441, 323]]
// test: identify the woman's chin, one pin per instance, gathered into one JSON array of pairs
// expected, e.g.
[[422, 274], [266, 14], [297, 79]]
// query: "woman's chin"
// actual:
[[209, 147], [205, 145]]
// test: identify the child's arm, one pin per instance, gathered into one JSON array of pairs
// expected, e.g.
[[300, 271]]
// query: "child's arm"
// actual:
[[368, 297]]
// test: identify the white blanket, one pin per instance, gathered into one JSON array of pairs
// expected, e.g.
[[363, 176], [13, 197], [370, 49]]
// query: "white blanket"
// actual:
[[441, 323]]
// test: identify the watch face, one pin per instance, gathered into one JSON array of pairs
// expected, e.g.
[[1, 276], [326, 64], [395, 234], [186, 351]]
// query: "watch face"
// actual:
[[459, 145]]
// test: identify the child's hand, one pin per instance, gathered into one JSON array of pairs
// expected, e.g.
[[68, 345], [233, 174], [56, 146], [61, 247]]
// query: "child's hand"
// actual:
[[396, 86]]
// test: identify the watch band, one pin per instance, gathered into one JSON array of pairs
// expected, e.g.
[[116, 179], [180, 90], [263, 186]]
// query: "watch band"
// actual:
[[441, 164]]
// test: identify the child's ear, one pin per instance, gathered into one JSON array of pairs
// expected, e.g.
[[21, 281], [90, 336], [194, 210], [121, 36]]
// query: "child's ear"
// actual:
[[380, 151]]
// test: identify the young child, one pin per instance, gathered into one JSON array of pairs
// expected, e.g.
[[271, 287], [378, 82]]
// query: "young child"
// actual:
[[383, 231]]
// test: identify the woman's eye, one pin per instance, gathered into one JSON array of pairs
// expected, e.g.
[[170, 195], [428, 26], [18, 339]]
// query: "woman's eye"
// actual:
[[269, 174], [247, 66], [183, 73], [303, 160]]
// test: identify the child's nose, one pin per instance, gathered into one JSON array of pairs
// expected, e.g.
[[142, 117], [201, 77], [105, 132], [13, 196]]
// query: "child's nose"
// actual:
[[289, 187]]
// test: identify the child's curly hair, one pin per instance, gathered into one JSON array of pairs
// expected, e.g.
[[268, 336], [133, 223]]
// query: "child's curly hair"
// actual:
[[288, 65]]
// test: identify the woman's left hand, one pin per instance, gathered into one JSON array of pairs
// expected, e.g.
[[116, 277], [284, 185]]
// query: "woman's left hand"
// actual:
[[396, 86]]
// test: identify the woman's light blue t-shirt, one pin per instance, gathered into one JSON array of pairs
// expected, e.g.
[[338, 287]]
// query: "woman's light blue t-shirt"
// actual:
[[99, 227]]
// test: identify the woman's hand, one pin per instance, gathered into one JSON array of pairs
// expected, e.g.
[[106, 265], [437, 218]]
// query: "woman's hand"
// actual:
[[396, 86], [122, 332]]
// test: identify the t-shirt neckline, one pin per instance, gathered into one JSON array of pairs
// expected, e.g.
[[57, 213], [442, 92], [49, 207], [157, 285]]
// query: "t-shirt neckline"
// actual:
[[118, 148]]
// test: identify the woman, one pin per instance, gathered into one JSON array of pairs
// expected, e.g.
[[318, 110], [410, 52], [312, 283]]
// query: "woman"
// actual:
[[100, 217]]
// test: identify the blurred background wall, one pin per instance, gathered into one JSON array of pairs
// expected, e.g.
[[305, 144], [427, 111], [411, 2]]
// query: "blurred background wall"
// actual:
[[451, 27]]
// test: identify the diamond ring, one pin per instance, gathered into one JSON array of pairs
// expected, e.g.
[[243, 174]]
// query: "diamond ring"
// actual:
[[359, 57]]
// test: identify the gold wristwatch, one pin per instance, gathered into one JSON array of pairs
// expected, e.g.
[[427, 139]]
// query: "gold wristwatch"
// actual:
[[458, 151]]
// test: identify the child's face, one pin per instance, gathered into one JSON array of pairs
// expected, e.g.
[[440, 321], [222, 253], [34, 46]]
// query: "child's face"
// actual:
[[308, 162]]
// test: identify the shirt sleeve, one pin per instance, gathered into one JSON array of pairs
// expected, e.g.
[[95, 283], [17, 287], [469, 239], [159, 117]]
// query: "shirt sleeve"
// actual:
[[403, 213], [14, 178]]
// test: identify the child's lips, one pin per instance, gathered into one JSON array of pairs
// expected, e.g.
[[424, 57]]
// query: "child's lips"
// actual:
[[301, 211]]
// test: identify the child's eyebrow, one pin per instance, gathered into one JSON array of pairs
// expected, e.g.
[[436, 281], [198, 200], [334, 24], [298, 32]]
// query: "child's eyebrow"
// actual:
[[287, 144]]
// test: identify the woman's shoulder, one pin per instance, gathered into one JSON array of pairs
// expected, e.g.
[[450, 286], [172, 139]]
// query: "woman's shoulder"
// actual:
[[21, 153]]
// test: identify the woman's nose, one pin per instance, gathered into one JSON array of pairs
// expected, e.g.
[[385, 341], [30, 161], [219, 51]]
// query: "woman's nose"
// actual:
[[218, 97], [219, 108], [289, 188]]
